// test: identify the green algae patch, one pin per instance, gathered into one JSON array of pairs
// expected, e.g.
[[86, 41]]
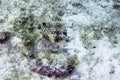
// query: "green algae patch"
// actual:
[[90, 34]]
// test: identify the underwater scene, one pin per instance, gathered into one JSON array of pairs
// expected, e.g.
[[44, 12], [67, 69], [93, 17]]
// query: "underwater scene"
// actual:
[[59, 39]]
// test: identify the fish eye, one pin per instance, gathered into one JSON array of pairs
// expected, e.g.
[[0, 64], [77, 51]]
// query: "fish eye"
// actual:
[[44, 24]]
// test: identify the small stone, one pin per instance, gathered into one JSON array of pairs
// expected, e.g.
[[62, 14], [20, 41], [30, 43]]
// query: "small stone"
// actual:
[[60, 13], [39, 26], [70, 69], [4, 37]]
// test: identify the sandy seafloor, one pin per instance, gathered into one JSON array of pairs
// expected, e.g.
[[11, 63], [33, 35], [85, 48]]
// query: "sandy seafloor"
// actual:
[[99, 60]]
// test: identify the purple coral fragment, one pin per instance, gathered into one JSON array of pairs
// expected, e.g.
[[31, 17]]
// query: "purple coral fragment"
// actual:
[[52, 72], [46, 71]]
